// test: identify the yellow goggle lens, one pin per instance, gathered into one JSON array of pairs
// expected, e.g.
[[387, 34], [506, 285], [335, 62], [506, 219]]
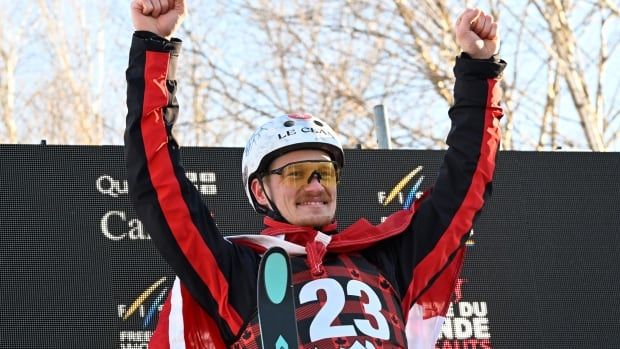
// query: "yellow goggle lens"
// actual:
[[298, 174]]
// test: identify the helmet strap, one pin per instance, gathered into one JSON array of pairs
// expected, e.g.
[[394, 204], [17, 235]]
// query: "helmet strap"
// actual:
[[272, 212]]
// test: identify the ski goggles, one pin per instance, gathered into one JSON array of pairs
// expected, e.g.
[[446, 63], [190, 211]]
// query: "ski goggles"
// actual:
[[300, 173]]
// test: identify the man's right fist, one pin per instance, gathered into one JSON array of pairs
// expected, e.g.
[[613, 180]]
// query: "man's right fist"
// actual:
[[161, 17]]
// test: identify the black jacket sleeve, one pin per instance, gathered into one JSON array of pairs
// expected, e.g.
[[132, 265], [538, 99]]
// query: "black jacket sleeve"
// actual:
[[220, 276], [434, 242]]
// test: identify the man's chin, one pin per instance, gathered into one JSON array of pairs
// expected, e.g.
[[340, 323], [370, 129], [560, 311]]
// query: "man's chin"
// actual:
[[314, 221]]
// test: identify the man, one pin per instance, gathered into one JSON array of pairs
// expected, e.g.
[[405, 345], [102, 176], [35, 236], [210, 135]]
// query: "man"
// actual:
[[362, 287]]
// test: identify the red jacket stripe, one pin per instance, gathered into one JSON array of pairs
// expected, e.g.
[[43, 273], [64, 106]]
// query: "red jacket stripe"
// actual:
[[201, 331], [462, 222], [168, 189], [159, 339]]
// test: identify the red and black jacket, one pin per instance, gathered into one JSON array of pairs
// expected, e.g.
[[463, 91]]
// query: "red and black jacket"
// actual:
[[421, 261]]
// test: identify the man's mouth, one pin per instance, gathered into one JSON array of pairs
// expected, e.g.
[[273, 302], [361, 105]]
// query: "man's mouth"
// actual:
[[312, 203]]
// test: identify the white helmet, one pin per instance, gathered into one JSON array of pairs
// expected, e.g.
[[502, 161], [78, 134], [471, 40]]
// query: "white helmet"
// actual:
[[281, 135]]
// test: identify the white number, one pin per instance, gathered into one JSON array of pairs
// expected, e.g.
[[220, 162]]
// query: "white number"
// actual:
[[321, 326], [355, 288]]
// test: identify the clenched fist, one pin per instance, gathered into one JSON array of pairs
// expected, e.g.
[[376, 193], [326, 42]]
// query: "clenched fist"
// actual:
[[477, 34], [161, 17]]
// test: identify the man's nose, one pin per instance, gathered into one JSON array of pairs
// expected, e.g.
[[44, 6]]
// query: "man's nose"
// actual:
[[314, 175], [314, 182]]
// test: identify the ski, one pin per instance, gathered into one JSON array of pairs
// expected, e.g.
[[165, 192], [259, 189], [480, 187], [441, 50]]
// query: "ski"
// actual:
[[276, 301]]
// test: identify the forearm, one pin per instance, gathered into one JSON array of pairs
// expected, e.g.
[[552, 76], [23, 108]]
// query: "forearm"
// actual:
[[473, 140]]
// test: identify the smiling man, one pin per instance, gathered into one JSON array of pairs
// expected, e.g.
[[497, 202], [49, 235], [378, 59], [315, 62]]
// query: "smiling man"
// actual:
[[291, 167], [302, 191], [363, 286]]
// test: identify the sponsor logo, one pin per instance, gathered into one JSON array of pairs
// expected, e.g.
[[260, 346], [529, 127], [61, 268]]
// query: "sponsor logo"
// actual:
[[143, 310], [139, 308], [407, 198], [396, 195]]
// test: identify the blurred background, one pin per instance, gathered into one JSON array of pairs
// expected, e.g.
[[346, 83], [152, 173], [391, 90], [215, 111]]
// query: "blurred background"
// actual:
[[62, 70]]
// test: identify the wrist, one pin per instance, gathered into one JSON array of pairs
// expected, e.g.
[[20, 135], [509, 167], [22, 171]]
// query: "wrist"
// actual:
[[469, 67], [152, 29], [150, 35], [493, 58], [153, 42]]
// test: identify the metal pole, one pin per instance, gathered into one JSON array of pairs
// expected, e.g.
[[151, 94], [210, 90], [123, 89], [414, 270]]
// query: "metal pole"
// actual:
[[382, 127]]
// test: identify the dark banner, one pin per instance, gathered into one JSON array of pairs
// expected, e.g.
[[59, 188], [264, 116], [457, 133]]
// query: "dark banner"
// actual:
[[78, 269]]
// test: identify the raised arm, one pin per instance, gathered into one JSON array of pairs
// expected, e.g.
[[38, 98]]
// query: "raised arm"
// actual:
[[464, 178], [430, 253], [169, 205]]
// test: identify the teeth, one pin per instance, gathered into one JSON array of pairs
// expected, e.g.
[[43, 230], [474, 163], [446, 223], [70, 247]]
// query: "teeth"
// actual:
[[312, 203]]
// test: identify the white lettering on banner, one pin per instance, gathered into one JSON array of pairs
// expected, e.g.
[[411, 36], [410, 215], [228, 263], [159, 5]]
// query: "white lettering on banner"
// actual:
[[134, 339], [107, 185], [135, 336], [462, 328], [481, 328], [204, 182], [134, 345], [321, 326], [470, 322], [134, 230], [478, 309], [381, 196], [122, 308]]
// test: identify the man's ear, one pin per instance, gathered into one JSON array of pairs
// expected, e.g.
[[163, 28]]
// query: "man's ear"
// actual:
[[259, 192]]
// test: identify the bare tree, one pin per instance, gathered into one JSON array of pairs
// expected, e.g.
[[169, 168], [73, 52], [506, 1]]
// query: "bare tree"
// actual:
[[71, 98], [212, 116], [555, 13], [8, 58], [570, 43], [325, 58], [338, 59], [247, 60], [12, 34]]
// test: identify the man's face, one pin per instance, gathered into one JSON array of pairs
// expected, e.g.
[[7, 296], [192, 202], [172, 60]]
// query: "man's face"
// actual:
[[310, 204]]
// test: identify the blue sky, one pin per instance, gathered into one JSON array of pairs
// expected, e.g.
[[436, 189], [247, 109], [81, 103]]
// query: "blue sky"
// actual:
[[110, 22]]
